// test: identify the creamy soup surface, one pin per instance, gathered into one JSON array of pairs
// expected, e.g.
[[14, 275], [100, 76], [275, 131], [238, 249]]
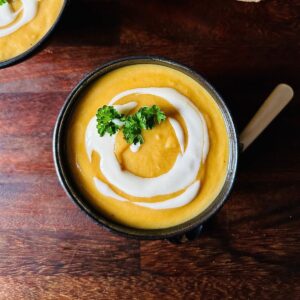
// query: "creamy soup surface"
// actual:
[[178, 171], [23, 23]]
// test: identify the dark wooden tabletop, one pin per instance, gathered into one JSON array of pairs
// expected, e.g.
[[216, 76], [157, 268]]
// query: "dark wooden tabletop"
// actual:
[[250, 250]]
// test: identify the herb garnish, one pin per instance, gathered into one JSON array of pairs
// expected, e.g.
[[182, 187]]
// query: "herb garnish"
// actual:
[[106, 117], [3, 2], [109, 120]]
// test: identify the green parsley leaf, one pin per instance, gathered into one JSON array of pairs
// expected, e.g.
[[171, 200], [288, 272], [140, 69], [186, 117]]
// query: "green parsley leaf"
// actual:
[[145, 118], [132, 130], [3, 2], [106, 117]]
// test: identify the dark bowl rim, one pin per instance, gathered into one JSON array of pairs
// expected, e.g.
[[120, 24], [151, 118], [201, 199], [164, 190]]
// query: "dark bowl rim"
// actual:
[[129, 232], [36, 47]]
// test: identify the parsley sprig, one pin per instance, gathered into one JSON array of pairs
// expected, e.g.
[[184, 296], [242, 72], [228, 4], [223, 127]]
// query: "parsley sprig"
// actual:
[[106, 123], [3, 2], [110, 121]]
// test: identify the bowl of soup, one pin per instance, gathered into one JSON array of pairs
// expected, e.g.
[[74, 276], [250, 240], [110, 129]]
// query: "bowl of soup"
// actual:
[[166, 186], [25, 25]]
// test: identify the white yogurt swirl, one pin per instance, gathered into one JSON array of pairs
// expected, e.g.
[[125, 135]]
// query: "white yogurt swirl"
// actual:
[[184, 172], [7, 16]]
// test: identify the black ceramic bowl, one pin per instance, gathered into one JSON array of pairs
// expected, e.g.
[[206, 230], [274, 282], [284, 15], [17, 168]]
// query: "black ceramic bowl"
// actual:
[[59, 151], [36, 47]]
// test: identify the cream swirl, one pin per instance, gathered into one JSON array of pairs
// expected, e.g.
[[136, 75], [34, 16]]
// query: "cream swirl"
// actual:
[[182, 176], [7, 17]]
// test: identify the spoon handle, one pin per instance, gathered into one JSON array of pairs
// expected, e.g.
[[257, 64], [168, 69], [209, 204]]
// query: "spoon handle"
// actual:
[[272, 106]]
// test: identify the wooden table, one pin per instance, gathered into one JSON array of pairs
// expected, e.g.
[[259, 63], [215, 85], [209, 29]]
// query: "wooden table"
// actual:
[[251, 250]]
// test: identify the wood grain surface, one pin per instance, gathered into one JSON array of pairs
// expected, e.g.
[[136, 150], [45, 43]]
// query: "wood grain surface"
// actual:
[[249, 250]]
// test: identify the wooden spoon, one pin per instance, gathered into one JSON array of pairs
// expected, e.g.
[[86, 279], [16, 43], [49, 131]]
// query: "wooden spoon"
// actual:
[[272, 106]]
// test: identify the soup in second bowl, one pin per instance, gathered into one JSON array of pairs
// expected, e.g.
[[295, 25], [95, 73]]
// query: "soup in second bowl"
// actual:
[[23, 23]]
